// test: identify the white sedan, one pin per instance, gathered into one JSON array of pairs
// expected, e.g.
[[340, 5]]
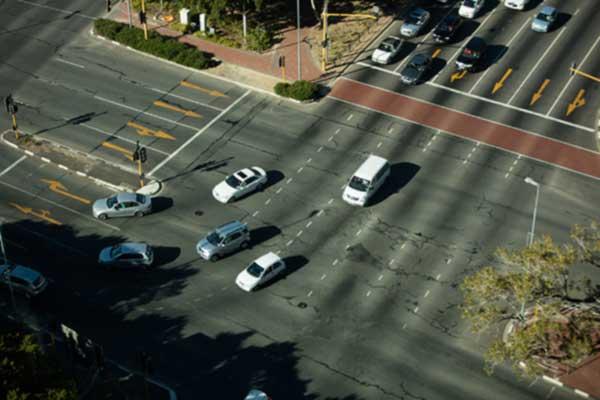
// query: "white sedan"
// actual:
[[262, 270], [239, 184], [387, 51]]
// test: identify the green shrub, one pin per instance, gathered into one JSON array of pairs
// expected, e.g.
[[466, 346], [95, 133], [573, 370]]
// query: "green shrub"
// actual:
[[259, 39], [157, 45], [299, 90]]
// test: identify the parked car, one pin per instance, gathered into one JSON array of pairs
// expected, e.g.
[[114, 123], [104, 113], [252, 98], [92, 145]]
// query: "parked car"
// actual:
[[262, 270], [256, 394], [415, 21], [387, 51], [447, 28], [416, 68], [545, 19], [470, 8], [239, 184], [224, 239], [471, 55], [22, 279], [122, 205], [127, 255], [516, 4]]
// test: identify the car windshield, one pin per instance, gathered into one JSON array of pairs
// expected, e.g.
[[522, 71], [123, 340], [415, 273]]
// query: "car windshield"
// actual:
[[214, 238], [140, 198], [469, 3], [414, 17], [111, 201], [115, 251], [359, 184], [544, 17], [386, 47], [232, 181], [255, 270]]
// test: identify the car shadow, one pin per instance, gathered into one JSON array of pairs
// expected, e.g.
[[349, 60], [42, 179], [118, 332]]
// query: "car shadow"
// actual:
[[273, 177], [437, 64], [465, 31], [292, 264], [400, 175], [532, 4], [164, 255], [161, 203], [561, 20], [487, 8], [493, 53], [263, 234]]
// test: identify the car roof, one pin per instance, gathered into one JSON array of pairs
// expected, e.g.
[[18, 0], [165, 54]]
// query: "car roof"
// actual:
[[133, 247], [268, 259], [547, 10], [419, 58], [243, 174], [370, 167], [417, 11], [126, 196], [22, 272], [229, 227], [476, 43], [391, 40]]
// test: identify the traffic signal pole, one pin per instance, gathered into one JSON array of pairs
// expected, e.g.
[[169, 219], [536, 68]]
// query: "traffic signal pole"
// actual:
[[143, 20], [12, 108]]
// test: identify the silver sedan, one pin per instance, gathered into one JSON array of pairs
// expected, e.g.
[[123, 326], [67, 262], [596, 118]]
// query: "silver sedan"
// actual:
[[414, 22], [122, 205]]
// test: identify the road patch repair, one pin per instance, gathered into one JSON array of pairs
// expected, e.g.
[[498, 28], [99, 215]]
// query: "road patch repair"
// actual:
[[82, 164], [528, 144]]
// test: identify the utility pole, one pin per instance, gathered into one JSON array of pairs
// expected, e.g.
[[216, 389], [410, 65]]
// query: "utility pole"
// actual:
[[129, 13], [140, 155], [11, 108], [530, 181], [299, 77], [143, 20]]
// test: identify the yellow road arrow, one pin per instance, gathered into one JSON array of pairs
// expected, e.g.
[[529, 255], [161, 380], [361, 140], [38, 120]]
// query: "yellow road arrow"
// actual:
[[120, 149], [143, 131], [500, 83], [536, 96], [436, 53], [458, 75], [577, 102], [211, 92], [42, 214], [59, 188], [171, 107]]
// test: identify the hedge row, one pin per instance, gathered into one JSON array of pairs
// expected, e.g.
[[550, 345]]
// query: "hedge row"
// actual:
[[160, 46], [299, 90]]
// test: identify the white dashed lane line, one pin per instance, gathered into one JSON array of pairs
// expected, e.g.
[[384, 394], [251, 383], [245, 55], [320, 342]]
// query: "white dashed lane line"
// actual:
[[288, 181], [335, 262], [426, 293], [300, 169], [308, 224], [319, 149], [337, 131], [278, 191], [255, 213]]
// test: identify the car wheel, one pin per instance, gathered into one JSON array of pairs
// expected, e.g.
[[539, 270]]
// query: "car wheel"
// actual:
[[245, 244], [103, 217], [139, 214], [214, 257]]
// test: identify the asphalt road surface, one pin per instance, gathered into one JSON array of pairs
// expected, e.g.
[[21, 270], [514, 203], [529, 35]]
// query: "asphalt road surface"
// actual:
[[368, 308]]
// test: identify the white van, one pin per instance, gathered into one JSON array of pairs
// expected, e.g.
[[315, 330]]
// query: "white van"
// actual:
[[470, 8], [366, 180], [516, 4]]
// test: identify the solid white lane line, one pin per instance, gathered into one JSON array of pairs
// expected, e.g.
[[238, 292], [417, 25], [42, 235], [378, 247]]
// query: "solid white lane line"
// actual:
[[69, 62], [73, 13], [137, 110], [508, 46], [534, 69], [574, 75], [200, 132], [11, 166], [170, 94]]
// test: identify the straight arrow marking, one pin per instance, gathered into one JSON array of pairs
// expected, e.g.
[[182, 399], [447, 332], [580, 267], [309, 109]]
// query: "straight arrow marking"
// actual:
[[536, 96], [500, 83]]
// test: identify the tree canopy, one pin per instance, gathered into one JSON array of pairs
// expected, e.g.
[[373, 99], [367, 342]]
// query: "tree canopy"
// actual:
[[28, 373], [542, 316]]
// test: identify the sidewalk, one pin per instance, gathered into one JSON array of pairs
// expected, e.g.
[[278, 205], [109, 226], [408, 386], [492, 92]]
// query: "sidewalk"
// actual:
[[265, 64]]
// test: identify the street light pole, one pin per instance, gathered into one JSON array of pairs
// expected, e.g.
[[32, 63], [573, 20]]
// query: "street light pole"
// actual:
[[7, 273], [530, 181], [299, 77]]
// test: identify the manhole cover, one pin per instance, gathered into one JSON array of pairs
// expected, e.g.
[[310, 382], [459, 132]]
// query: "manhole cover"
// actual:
[[302, 305], [198, 213]]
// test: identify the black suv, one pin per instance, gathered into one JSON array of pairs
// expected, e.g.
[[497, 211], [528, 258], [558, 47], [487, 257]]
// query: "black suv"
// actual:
[[447, 28], [471, 55]]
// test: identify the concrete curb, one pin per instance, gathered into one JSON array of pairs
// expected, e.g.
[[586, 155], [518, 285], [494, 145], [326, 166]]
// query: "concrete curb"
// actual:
[[97, 181], [172, 394], [558, 383]]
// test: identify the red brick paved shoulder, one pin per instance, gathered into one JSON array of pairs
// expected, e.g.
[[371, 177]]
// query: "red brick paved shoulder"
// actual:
[[266, 63], [468, 126]]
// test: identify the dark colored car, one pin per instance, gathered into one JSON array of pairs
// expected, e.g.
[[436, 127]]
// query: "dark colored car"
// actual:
[[447, 28], [415, 69], [471, 55]]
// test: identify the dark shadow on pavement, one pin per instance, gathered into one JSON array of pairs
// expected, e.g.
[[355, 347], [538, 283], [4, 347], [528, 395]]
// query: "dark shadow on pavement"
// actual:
[[400, 175], [292, 264], [273, 177], [263, 234], [164, 255], [202, 167], [161, 203], [561, 20]]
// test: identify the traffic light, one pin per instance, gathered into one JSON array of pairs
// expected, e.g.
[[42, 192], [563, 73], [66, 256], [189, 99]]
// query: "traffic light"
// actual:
[[107, 5], [281, 61], [142, 154], [142, 17]]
